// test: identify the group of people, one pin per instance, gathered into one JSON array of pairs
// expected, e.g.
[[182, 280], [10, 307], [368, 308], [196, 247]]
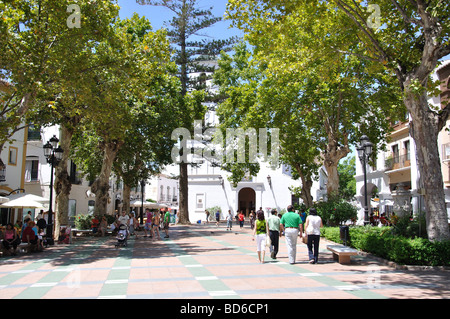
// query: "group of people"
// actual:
[[293, 227], [153, 223], [30, 232], [152, 226]]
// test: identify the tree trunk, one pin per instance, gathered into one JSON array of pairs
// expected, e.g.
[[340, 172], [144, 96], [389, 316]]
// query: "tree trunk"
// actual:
[[183, 204], [307, 184], [100, 187], [126, 198], [63, 185], [306, 193], [332, 157], [424, 130]]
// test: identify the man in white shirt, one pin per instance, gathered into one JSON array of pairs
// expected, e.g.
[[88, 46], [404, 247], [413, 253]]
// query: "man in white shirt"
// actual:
[[124, 219]]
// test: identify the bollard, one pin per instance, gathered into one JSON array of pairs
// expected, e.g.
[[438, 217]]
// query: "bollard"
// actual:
[[343, 231]]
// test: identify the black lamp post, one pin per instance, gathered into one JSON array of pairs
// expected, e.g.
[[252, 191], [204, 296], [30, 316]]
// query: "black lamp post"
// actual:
[[54, 154], [364, 151], [141, 220]]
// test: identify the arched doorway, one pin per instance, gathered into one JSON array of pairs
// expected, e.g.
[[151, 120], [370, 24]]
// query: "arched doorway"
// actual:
[[246, 200]]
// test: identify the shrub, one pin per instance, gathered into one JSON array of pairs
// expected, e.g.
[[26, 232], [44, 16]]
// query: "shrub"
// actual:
[[83, 221], [383, 243], [410, 228], [336, 211]]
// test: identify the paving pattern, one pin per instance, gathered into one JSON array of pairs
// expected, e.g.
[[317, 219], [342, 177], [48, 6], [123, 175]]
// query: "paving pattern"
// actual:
[[205, 262]]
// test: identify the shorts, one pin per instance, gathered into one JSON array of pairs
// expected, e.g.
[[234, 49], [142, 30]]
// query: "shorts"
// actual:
[[166, 225], [261, 242], [148, 226]]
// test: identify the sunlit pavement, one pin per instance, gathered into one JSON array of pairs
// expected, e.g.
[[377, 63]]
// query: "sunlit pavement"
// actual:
[[205, 262]]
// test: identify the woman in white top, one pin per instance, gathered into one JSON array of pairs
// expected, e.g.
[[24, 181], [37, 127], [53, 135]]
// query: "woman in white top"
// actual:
[[312, 228]]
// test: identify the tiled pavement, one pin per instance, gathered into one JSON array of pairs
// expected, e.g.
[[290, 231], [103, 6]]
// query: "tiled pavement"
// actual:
[[204, 262]]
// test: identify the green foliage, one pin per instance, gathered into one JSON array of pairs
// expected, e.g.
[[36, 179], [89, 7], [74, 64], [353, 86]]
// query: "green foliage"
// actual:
[[83, 221], [41, 54], [410, 228], [212, 212], [336, 210], [347, 181], [402, 250]]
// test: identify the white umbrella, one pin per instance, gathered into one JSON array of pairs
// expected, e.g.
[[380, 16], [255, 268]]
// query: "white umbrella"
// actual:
[[22, 203], [138, 203], [27, 196], [3, 199]]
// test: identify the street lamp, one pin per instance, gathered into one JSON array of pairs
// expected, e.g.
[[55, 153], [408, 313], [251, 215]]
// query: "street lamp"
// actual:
[[141, 219], [54, 154], [364, 150]]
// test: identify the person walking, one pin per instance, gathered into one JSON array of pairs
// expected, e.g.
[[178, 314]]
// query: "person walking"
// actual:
[[217, 218], [273, 224], [155, 226], [260, 233], [148, 223], [293, 228], [166, 222], [312, 229], [252, 219], [229, 220], [241, 219]]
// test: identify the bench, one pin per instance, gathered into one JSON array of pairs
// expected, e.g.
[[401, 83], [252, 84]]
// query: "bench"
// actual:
[[80, 231], [342, 253], [26, 248]]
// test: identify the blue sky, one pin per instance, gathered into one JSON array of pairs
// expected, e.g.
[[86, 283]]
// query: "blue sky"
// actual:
[[158, 15]]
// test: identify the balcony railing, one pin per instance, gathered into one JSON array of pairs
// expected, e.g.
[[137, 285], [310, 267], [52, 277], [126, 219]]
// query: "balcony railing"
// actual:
[[397, 161]]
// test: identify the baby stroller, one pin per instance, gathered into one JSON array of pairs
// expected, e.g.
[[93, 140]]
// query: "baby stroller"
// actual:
[[122, 236]]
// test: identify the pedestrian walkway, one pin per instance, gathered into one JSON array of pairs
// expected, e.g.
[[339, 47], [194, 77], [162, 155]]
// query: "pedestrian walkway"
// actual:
[[204, 262]]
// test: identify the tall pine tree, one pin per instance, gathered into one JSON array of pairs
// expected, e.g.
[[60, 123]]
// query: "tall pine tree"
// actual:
[[192, 49]]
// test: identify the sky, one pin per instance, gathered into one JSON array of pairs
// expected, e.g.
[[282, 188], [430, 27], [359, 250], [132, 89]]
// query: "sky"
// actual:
[[158, 15]]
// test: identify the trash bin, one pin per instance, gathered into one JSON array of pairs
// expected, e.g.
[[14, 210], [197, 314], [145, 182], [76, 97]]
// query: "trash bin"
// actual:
[[343, 231]]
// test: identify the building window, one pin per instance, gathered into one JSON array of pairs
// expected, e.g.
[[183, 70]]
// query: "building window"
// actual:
[[32, 170], [407, 150], [161, 196], [34, 133], [91, 207], [12, 157], [72, 209], [174, 195]]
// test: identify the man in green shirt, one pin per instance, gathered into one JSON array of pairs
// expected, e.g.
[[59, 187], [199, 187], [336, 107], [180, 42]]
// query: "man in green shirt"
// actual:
[[166, 222], [274, 232], [293, 227]]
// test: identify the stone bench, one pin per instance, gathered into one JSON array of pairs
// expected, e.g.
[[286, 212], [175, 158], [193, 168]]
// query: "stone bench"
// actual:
[[26, 248], [342, 253], [75, 231]]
